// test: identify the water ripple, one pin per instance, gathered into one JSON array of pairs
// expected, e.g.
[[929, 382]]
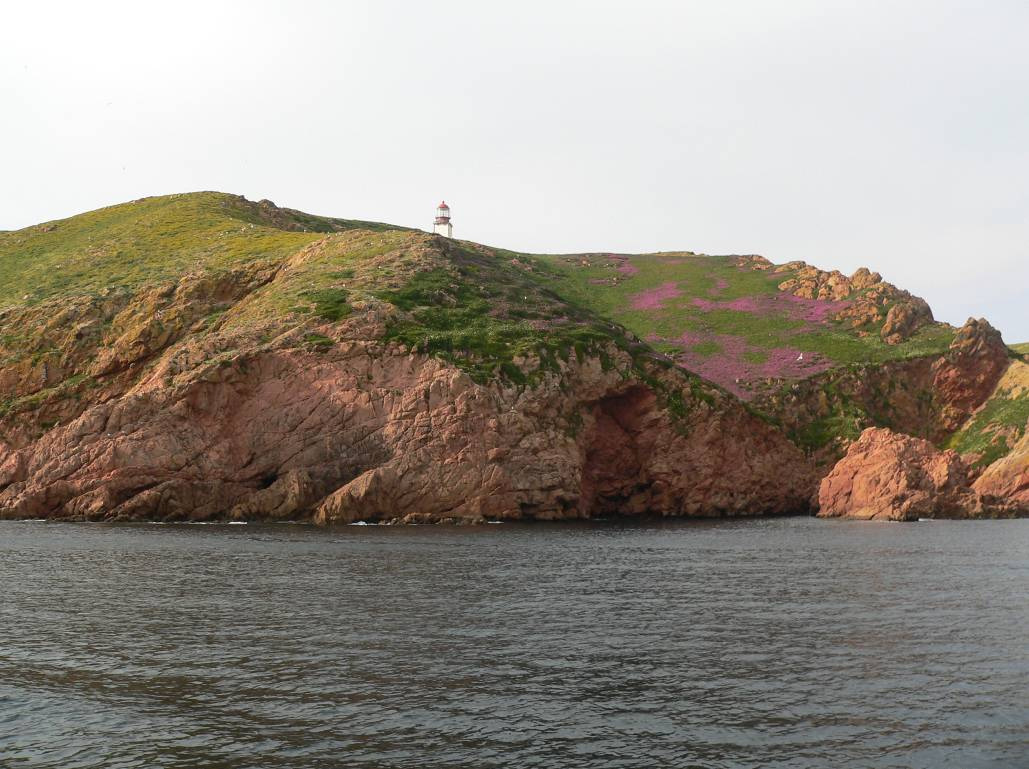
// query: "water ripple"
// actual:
[[770, 643]]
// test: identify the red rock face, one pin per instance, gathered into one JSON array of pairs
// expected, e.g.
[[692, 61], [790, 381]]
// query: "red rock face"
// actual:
[[966, 376], [885, 475], [889, 476], [367, 433]]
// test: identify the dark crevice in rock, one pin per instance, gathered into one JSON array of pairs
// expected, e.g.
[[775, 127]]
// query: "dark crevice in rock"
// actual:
[[614, 470]]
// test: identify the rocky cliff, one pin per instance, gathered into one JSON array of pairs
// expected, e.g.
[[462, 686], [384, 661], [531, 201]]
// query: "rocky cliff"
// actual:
[[202, 357], [365, 431]]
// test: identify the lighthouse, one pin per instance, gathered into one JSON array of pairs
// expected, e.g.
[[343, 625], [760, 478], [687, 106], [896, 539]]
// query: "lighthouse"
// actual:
[[442, 225]]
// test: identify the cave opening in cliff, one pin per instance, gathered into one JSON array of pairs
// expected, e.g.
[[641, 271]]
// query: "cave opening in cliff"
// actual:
[[614, 474]]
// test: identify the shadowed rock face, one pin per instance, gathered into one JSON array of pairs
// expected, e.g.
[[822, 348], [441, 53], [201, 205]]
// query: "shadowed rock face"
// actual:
[[617, 453]]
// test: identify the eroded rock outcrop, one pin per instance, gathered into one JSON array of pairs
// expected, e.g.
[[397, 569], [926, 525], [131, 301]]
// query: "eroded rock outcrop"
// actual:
[[871, 301], [968, 373], [890, 476]]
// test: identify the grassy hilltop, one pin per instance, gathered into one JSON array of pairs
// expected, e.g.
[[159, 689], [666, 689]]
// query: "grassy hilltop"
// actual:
[[151, 240], [746, 325]]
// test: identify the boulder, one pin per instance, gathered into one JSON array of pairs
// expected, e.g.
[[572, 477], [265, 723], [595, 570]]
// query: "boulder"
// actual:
[[904, 318], [889, 476]]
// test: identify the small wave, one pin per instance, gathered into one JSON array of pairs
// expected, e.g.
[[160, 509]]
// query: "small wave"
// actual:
[[362, 523], [237, 523]]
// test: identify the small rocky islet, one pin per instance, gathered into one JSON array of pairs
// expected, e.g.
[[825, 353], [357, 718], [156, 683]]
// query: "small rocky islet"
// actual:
[[205, 357]]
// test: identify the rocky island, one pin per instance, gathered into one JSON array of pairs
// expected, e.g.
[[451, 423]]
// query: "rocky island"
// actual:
[[205, 357]]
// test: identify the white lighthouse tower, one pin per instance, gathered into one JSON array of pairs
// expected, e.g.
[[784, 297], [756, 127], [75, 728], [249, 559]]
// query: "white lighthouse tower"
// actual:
[[442, 225]]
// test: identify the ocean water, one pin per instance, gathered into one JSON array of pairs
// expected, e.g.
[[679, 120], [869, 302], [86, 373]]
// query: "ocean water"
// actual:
[[788, 642]]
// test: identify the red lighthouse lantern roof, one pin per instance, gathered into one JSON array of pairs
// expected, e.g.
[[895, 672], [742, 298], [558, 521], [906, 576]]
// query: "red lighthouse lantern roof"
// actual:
[[444, 205]]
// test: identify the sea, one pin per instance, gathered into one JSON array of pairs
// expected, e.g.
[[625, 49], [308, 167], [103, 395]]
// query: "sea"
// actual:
[[771, 642]]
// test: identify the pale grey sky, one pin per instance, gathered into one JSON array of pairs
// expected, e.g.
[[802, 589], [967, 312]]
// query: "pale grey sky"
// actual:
[[888, 134]]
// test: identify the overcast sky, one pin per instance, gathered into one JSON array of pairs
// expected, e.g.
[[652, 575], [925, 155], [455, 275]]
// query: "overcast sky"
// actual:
[[888, 134]]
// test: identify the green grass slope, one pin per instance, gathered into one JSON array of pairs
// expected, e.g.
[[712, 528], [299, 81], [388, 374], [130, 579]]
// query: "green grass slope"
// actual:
[[458, 300], [1000, 422]]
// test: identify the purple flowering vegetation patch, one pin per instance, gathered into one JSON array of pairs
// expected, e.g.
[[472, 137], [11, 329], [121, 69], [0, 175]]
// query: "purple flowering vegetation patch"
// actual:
[[730, 368], [782, 304], [626, 267], [720, 285], [654, 298]]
